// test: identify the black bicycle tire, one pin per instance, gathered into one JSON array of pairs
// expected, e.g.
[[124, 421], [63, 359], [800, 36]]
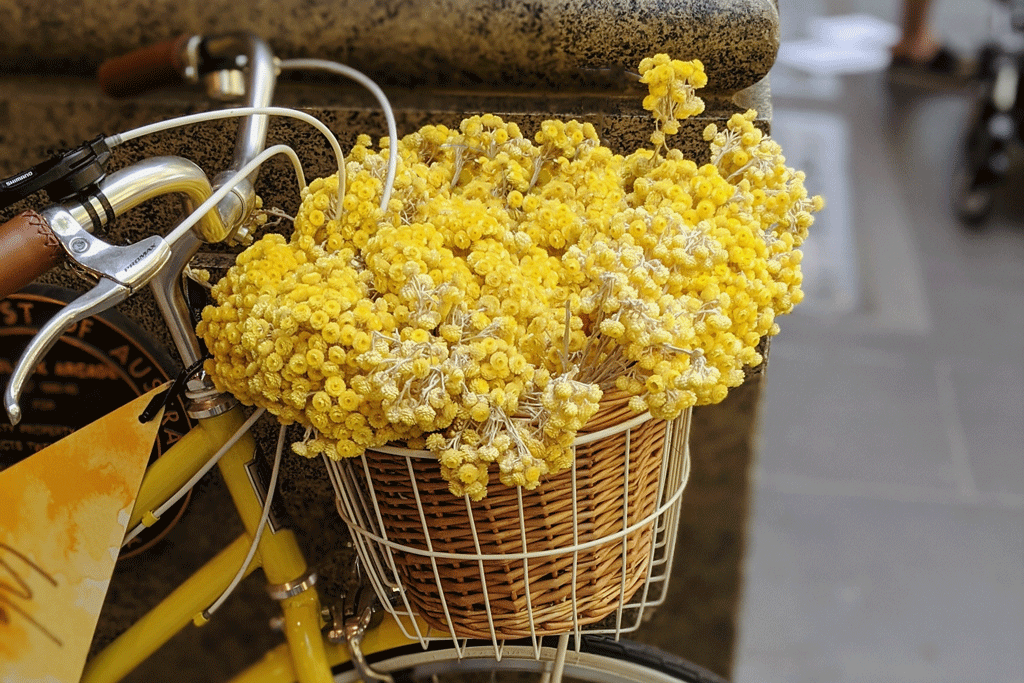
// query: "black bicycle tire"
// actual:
[[600, 657]]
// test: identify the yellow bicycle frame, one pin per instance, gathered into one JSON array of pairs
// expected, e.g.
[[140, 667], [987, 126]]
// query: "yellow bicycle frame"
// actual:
[[305, 655]]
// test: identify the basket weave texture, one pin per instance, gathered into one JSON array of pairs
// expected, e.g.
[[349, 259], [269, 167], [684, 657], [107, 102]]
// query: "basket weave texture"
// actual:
[[610, 495]]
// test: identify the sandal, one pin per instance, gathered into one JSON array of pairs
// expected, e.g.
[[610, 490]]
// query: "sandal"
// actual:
[[946, 68]]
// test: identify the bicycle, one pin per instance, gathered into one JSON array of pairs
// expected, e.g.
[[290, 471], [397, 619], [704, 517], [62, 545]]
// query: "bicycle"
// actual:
[[992, 129], [378, 635]]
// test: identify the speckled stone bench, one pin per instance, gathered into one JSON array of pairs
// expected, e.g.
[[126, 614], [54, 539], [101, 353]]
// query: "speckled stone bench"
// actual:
[[439, 60], [445, 43]]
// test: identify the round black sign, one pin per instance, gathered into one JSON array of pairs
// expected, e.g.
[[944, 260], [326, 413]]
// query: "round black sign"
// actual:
[[97, 366]]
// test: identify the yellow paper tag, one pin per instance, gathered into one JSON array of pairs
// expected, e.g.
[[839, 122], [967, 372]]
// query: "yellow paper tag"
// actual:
[[63, 513]]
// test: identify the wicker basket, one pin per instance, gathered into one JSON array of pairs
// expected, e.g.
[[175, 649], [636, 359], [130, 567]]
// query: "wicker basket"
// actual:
[[518, 563]]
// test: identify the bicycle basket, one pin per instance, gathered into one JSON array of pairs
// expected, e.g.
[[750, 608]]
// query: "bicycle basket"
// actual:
[[586, 552]]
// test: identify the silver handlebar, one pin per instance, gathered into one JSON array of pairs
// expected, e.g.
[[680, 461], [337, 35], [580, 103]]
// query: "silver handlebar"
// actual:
[[129, 187], [122, 270]]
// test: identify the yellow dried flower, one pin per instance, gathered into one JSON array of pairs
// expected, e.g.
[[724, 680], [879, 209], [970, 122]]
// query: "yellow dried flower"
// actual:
[[511, 281]]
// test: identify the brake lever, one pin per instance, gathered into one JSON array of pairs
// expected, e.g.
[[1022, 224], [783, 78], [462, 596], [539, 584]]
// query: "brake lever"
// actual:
[[121, 271]]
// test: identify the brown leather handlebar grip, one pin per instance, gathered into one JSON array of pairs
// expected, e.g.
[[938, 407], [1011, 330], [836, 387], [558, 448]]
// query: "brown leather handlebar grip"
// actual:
[[143, 69], [28, 248]]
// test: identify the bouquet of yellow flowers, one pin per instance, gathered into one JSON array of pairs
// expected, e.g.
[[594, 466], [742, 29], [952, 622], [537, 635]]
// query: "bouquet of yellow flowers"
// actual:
[[511, 282]]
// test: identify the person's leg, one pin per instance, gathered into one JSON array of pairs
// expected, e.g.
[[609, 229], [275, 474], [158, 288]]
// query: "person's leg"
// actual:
[[917, 42], [921, 54]]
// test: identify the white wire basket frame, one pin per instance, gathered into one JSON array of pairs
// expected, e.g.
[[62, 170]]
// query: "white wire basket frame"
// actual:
[[358, 506]]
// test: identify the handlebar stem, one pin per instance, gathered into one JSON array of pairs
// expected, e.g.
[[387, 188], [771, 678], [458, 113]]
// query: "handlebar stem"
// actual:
[[170, 299], [129, 187], [150, 178], [204, 399]]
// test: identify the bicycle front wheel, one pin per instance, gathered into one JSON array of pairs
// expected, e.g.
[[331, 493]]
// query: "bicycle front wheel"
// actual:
[[600, 660]]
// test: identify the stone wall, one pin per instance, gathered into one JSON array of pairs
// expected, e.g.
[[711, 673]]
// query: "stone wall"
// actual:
[[446, 43]]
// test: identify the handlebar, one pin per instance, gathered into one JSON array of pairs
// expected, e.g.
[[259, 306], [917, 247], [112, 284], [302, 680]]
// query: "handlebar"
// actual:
[[30, 246], [40, 240], [144, 69], [34, 242]]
